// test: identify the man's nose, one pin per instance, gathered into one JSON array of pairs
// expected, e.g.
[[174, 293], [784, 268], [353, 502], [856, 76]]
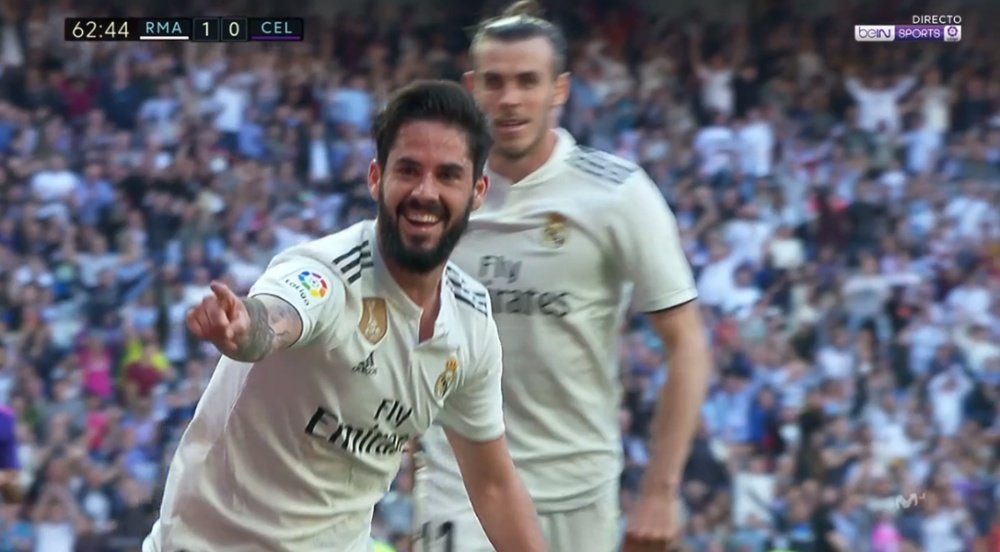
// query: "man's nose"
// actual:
[[510, 95], [426, 189]]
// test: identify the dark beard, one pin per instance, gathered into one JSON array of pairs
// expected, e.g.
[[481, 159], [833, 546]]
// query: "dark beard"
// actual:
[[418, 261]]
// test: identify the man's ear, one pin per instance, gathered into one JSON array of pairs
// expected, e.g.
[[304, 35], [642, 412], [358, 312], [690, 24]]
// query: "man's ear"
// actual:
[[479, 193], [561, 92], [374, 179], [469, 80]]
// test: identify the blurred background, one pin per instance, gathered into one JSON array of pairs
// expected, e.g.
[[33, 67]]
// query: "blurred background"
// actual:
[[838, 201]]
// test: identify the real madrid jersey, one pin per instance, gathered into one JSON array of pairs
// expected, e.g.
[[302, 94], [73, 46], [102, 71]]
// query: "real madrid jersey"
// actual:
[[558, 252], [291, 453]]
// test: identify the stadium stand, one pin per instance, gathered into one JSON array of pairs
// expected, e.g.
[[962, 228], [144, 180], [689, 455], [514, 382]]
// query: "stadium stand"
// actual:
[[840, 203]]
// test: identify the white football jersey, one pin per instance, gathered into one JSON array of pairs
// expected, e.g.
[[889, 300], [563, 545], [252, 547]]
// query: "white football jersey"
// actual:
[[559, 252], [292, 453]]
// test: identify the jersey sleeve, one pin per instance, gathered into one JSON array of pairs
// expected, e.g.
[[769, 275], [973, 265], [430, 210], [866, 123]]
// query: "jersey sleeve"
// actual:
[[475, 408], [647, 247], [309, 286]]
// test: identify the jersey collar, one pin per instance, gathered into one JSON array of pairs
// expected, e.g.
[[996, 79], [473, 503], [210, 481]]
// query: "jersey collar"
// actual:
[[386, 286], [564, 145]]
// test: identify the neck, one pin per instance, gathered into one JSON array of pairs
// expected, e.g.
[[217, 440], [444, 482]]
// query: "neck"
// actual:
[[422, 289], [516, 170]]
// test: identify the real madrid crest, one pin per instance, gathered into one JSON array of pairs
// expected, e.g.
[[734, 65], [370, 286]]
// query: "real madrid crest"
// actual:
[[447, 378], [555, 232], [374, 319]]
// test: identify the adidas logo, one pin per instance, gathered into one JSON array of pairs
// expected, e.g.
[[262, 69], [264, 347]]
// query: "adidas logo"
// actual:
[[366, 366]]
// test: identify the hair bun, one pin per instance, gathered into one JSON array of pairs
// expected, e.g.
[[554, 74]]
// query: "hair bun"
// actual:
[[529, 8]]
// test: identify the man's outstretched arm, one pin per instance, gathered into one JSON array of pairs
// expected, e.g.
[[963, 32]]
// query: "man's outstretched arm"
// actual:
[[274, 325], [248, 329]]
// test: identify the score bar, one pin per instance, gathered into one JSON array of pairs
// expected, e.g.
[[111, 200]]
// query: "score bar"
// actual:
[[197, 29]]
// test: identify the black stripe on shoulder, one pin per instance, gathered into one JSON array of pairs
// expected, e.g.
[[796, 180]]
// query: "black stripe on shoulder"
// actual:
[[603, 166], [480, 308], [353, 252], [475, 299], [357, 274], [352, 263]]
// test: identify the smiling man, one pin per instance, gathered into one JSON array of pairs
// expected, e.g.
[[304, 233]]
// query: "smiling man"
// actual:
[[564, 232], [345, 349]]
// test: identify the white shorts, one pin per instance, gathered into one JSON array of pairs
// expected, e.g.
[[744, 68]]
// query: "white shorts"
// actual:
[[592, 528], [152, 544]]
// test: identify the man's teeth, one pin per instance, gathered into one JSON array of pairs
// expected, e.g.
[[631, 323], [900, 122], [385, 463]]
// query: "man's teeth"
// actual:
[[423, 219]]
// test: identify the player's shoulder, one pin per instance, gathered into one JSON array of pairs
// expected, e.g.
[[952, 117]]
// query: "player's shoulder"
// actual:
[[472, 297], [601, 168], [346, 254]]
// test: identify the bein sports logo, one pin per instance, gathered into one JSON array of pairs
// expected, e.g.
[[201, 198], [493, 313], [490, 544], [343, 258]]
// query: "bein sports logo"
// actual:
[[914, 499], [874, 33], [314, 284]]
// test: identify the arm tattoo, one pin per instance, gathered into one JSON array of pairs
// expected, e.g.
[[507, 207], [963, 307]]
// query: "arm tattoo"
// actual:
[[268, 329]]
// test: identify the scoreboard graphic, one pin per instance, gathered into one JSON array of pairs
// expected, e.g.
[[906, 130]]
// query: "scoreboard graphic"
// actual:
[[194, 29]]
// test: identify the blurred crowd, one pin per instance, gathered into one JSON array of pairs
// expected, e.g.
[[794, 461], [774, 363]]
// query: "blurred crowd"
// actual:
[[839, 202]]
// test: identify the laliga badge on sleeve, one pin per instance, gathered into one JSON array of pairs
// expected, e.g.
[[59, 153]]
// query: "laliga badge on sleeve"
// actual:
[[312, 288]]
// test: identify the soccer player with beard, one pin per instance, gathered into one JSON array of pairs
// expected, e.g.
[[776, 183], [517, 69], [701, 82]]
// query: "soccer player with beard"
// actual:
[[345, 349], [564, 232]]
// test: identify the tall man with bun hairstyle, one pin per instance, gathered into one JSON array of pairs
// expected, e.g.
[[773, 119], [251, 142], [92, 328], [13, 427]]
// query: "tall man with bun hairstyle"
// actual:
[[565, 232]]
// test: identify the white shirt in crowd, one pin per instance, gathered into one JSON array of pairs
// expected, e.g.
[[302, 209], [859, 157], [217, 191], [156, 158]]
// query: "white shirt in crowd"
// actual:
[[935, 106], [922, 148], [59, 536], [969, 214], [879, 105], [294, 451], [715, 282], [740, 301], [941, 531], [836, 363], [787, 253], [970, 301], [49, 185], [715, 146], [753, 495], [947, 392], [747, 237], [717, 89], [755, 143], [231, 102]]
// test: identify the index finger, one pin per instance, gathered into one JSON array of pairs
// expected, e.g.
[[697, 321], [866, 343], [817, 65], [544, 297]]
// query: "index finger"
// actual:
[[225, 295]]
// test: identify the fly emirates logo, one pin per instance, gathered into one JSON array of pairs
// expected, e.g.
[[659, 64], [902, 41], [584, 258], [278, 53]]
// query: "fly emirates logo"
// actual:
[[379, 438], [501, 274]]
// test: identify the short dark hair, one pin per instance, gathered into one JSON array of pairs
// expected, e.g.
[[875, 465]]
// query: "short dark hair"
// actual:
[[433, 100], [523, 20]]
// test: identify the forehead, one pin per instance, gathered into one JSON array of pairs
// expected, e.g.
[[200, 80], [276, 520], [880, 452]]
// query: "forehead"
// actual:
[[431, 143], [511, 58]]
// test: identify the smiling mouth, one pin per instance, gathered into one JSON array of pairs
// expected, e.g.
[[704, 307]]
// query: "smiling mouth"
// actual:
[[511, 124], [422, 219]]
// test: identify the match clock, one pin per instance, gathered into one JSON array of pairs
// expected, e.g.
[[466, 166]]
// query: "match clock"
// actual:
[[98, 29]]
